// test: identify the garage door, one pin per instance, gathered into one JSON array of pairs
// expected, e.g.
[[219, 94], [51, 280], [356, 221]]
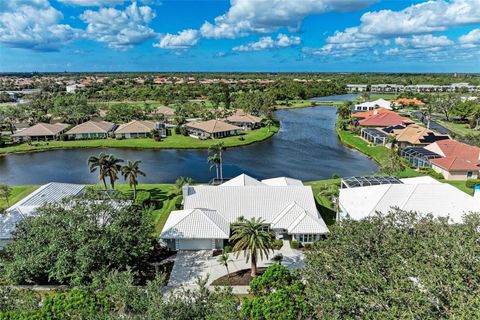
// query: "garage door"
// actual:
[[197, 244]]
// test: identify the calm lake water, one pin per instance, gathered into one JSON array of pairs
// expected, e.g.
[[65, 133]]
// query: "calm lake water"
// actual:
[[306, 148]]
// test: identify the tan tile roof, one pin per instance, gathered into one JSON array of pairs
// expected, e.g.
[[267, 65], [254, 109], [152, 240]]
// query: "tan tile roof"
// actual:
[[136, 126], [412, 134], [42, 129], [240, 116], [212, 126], [165, 111], [92, 127]]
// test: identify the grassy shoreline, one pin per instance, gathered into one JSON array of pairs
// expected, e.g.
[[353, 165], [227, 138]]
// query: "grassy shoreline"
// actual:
[[174, 141]]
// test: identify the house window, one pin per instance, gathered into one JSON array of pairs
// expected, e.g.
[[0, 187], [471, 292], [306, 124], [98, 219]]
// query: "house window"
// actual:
[[469, 174], [307, 238]]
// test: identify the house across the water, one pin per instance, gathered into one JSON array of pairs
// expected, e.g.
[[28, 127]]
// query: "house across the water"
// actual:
[[204, 224], [244, 120], [91, 129], [212, 129], [40, 132], [139, 129]]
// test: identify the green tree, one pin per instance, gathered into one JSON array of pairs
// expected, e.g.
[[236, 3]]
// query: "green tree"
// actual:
[[465, 110], [99, 163], [345, 110], [179, 183], [5, 192], [392, 164], [215, 158], [277, 294], [254, 239], [112, 167], [70, 242], [446, 104], [396, 265], [130, 172], [224, 259]]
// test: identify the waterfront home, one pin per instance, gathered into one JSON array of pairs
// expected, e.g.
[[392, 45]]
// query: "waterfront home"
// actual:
[[359, 115], [404, 102], [371, 105], [457, 161], [139, 129], [385, 120], [212, 129], [205, 222], [91, 129], [415, 135], [424, 195], [28, 206], [244, 120], [40, 131], [166, 112]]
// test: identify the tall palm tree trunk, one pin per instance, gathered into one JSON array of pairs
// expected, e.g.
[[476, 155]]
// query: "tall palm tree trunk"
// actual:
[[221, 167], [254, 265], [104, 183]]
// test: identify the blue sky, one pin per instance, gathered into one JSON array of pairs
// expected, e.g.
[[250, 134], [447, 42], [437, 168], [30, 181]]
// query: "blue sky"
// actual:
[[240, 35]]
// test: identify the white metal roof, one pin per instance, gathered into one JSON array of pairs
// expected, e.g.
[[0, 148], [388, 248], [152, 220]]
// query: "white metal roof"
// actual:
[[242, 180], [377, 103], [250, 199], [282, 181], [48, 193], [420, 180], [195, 224], [438, 199]]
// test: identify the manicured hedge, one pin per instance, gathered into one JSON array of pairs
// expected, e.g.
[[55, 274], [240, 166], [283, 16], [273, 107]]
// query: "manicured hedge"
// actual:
[[472, 183]]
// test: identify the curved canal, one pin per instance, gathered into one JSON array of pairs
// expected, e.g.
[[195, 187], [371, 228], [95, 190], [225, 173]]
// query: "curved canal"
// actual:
[[306, 148]]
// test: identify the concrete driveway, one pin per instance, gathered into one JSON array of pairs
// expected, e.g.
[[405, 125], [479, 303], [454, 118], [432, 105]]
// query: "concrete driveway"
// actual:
[[189, 266]]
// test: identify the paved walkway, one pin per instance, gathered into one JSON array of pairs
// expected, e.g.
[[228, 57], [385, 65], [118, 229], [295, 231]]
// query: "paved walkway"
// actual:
[[191, 265]]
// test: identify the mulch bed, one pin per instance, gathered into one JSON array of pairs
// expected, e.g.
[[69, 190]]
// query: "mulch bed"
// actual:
[[239, 278]]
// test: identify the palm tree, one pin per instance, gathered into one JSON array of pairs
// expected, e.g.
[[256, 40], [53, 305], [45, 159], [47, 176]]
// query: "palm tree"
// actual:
[[179, 183], [112, 168], [215, 158], [224, 260], [253, 238], [345, 110], [269, 123], [95, 163], [131, 172]]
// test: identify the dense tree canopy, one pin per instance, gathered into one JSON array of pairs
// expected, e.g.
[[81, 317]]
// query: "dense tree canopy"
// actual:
[[71, 241], [394, 267]]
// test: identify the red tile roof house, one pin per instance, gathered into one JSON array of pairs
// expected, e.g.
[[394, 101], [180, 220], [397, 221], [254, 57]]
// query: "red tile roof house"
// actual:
[[459, 161], [383, 120]]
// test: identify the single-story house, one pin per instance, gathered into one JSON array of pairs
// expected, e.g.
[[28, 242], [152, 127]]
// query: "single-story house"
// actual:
[[212, 129], [356, 87], [48, 193], [91, 129], [244, 120], [371, 105], [423, 194], [415, 135], [205, 222], [458, 161], [385, 120], [167, 112], [405, 102], [40, 131], [139, 129]]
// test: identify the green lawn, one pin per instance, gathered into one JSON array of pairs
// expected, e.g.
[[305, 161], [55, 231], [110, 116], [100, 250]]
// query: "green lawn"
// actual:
[[18, 193], [174, 141], [324, 205]]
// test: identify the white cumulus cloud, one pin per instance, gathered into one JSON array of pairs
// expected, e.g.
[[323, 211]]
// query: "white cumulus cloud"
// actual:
[[120, 29], [424, 41], [34, 24], [473, 37], [282, 41], [182, 40]]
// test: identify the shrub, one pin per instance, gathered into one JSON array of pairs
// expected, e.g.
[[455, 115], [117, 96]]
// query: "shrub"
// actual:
[[432, 173], [177, 130], [178, 203], [143, 198], [227, 249], [294, 244], [277, 244], [307, 246], [472, 183], [335, 176], [241, 139], [184, 131], [63, 137]]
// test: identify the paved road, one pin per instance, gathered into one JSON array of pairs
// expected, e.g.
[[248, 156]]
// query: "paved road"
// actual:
[[434, 125]]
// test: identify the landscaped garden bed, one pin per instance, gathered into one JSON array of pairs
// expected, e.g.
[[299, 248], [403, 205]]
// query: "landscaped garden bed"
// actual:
[[239, 278]]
